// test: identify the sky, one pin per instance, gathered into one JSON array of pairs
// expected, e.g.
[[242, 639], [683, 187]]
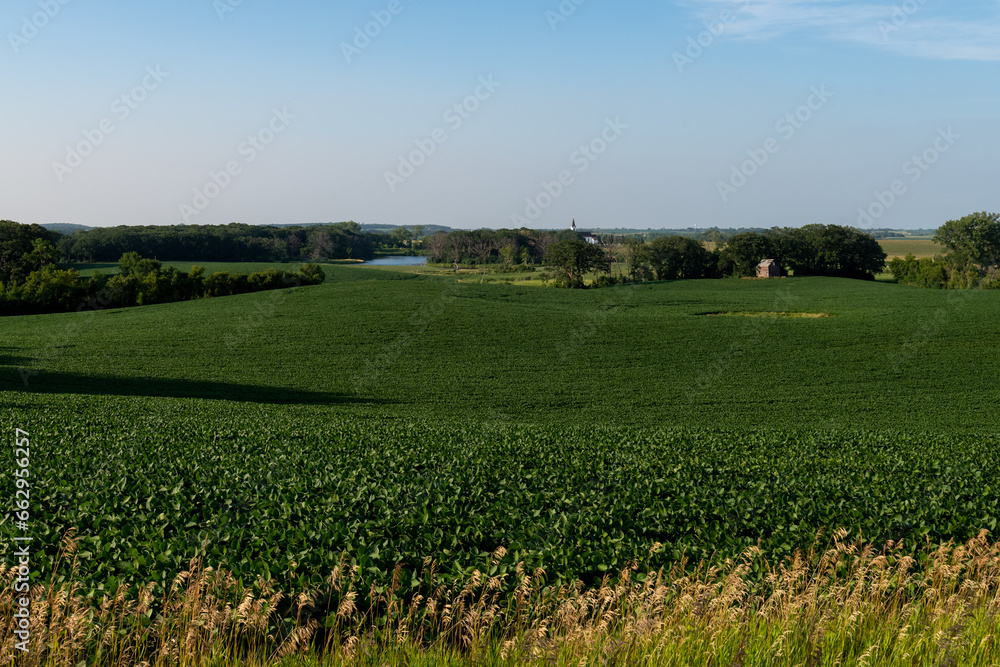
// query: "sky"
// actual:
[[639, 114]]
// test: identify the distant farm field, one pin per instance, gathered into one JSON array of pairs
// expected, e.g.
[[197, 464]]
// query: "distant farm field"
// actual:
[[396, 417], [919, 248]]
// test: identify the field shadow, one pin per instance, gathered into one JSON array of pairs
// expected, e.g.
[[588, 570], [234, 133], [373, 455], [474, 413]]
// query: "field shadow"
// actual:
[[45, 382], [104, 267], [8, 359]]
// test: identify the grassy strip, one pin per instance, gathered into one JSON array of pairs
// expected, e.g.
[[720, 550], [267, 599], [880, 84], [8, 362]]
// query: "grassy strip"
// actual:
[[846, 605]]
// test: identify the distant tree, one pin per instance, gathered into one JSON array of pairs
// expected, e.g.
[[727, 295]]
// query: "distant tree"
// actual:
[[743, 252], [402, 236], [320, 245], [42, 254], [712, 236], [828, 250], [234, 242], [974, 239], [312, 274], [133, 264], [573, 259], [919, 272], [538, 242], [49, 288], [508, 253], [637, 258], [481, 245], [18, 251], [436, 247], [294, 243], [612, 248], [678, 257], [458, 242]]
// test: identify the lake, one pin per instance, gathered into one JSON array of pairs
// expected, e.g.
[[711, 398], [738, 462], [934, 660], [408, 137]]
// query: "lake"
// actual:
[[398, 260]]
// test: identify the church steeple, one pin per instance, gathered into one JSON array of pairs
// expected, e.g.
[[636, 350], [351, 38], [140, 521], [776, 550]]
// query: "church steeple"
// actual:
[[573, 226]]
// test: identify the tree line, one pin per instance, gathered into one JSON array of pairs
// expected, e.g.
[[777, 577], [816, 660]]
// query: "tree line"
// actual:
[[503, 249], [32, 282], [971, 258], [234, 242], [142, 282], [823, 250]]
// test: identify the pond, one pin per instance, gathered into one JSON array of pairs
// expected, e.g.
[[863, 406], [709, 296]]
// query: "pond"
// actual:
[[397, 260]]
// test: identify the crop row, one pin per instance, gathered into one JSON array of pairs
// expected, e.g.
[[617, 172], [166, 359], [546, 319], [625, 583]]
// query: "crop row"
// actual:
[[287, 499]]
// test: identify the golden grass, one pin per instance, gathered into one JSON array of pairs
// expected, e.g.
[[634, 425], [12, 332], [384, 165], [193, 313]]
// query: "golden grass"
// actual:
[[845, 605], [775, 314]]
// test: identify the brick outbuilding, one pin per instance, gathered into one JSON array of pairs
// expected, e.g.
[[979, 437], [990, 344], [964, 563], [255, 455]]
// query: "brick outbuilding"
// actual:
[[768, 269]]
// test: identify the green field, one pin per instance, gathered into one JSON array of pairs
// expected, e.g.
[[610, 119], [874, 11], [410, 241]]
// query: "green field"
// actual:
[[395, 417]]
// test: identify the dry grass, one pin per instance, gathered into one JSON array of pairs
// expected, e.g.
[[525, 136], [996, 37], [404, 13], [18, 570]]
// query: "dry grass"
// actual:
[[845, 605], [767, 313]]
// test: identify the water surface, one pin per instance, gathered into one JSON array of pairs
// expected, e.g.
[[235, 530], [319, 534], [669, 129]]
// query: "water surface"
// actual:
[[396, 261]]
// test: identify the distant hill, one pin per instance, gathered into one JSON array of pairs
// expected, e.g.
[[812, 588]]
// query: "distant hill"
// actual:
[[301, 224], [649, 233], [385, 229], [66, 228]]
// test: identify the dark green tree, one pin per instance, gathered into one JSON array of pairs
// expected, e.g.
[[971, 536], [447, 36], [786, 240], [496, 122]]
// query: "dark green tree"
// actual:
[[679, 257], [974, 239], [133, 264], [573, 259], [828, 250], [743, 252], [18, 251]]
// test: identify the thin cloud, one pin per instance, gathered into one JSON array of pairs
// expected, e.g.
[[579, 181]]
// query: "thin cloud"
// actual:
[[914, 28]]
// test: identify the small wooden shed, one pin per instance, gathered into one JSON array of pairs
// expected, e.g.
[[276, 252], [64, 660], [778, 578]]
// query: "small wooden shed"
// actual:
[[768, 269]]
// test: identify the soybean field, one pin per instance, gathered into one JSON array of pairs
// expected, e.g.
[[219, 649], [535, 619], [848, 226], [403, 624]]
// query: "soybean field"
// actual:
[[388, 418]]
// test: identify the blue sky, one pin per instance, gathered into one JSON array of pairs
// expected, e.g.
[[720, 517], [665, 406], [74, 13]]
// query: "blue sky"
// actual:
[[642, 114]]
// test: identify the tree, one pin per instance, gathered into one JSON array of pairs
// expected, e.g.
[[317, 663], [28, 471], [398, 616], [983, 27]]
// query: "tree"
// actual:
[[320, 245], [132, 264], [312, 274], [573, 259], [743, 252], [612, 246], [540, 242], [828, 250], [294, 242], [402, 236], [459, 242], [17, 249], [974, 239], [436, 247], [42, 254], [481, 245], [712, 235], [508, 253], [677, 257], [637, 258], [919, 272], [219, 243], [50, 288]]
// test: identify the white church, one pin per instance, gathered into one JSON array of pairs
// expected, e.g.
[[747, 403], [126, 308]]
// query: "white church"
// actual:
[[585, 236]]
